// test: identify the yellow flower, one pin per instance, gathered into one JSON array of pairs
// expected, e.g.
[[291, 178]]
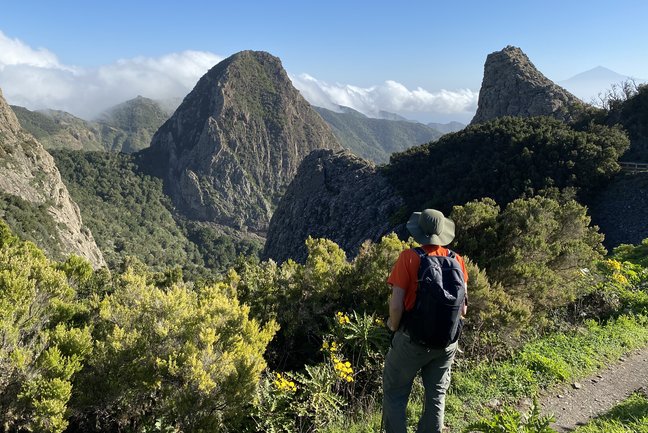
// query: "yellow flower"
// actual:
[[343, 369], [620, 278], [342, 318], [283, 384], [614, 264]]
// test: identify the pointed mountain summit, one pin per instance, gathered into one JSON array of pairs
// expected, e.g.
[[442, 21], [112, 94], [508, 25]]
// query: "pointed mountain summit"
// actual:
[[234, 144], [31, 186], [512, 86]]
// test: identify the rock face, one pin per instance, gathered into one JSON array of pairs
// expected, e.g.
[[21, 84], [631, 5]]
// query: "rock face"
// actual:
[[620, 209], [234, 144], [29, 172], [512, 86], [335, 195]]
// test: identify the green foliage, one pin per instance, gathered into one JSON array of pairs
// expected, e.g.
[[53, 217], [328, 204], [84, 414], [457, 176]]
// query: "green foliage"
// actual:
[[32, 222], [302, 297], [349, 376], [630, 110], [39, 352], [129, 215], [630, 416], [496, 320], [533, 252], [505, 159], [637, 254], [126, 212], [190, 357], [512, 421]]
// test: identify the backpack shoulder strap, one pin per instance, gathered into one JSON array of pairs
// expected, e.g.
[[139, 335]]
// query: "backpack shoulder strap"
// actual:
[[420, 251]]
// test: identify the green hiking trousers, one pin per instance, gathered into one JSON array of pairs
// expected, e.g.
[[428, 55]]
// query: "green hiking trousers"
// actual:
[[404, 361]]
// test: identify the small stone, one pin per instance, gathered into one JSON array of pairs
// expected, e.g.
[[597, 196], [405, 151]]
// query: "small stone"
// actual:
[[494, 403], [577, 385], [561, 396]]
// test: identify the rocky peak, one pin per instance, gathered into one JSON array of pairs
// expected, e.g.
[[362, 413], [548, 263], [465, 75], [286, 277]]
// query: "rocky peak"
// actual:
[[234, 144], [512, 86], [335, 195], [9, 124], [29, 172]]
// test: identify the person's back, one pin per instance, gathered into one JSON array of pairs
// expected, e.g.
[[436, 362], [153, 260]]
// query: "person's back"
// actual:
[[409, 355]]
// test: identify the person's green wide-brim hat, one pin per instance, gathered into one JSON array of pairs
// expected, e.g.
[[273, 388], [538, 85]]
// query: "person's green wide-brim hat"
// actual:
[[431, 227]]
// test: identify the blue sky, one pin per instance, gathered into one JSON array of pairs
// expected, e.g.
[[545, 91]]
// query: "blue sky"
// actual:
[[369, 50]]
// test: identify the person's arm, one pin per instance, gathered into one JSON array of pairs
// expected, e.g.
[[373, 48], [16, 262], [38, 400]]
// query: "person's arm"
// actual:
[[464, 308], [396, 307]]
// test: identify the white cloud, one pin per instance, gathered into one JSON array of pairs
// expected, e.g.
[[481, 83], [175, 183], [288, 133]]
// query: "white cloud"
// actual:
[[389, 96], [15, 52], [36, 79]]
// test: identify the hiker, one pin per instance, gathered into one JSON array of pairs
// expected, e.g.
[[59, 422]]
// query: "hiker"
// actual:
[[425, 333]]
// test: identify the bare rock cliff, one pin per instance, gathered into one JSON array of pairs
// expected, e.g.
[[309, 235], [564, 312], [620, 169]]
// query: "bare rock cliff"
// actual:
[[234, 144], [29, 172], [512, 86], [335, 195]]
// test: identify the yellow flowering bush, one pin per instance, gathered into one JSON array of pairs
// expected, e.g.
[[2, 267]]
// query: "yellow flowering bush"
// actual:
[[343, 369], [284, 384], [191, 356]]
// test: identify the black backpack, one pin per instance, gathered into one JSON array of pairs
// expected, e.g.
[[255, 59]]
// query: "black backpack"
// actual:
[[435, 320]]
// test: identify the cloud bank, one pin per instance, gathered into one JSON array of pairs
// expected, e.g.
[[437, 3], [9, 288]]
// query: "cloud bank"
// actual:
[[390, 96], [36, 79]]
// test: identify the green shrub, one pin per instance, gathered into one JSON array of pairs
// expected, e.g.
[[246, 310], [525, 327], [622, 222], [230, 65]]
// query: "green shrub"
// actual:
[[536, 249], [192, 358], [41, 349]]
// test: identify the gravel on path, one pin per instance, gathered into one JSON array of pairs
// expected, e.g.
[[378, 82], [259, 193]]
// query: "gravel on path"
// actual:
[[579, 402]]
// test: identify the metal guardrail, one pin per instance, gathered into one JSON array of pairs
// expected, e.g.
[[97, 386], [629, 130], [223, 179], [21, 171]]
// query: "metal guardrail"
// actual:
[[634, 167]]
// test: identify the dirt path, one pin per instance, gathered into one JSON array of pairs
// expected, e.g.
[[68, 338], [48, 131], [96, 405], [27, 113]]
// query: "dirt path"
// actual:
[[576, 404]]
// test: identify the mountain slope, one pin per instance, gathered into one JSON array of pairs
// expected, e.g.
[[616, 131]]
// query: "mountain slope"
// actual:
[[129, 126], [375, 139], [29, 173], [60, 130], [234, 144], [335, 195]]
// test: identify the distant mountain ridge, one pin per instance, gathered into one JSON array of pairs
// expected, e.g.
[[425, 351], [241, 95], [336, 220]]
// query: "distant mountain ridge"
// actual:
[[127, 127], [375, 139], [597, 81]]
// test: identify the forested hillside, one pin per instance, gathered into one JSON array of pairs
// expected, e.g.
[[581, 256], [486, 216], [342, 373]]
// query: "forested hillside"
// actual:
[[504, 159], [131, 216]]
